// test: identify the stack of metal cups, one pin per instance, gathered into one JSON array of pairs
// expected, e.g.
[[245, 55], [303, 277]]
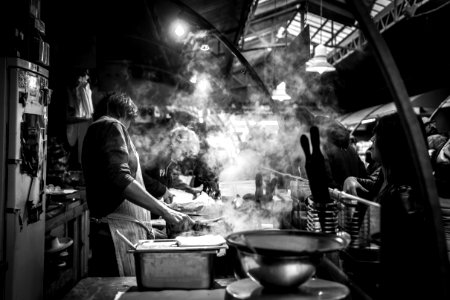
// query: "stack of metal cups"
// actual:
[[330, 212], [299, 193], [355, 221]]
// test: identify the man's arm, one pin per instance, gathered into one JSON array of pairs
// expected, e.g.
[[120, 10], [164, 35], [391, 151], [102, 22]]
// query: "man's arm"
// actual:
[[137, 194]]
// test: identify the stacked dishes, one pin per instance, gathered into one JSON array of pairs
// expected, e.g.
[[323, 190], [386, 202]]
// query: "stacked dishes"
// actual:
[[330, 212]]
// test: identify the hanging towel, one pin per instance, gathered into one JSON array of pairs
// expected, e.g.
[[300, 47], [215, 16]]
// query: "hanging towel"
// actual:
[[83, 94], [80, 100]]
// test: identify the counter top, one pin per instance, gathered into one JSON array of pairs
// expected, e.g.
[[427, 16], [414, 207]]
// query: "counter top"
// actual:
[[125, 288]]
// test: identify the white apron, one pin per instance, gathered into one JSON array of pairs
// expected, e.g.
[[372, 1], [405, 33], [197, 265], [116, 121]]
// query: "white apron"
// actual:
[[133, 222]]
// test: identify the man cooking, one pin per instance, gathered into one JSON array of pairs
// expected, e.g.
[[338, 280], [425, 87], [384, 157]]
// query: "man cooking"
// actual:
[[116, 196]]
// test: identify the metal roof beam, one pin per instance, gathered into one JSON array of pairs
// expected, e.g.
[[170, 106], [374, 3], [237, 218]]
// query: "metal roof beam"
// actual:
[[390, 15]]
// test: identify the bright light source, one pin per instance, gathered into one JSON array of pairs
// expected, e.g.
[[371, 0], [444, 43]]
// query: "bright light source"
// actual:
[[368, 121], [280, 93], [204, 47], [319, 62], [203, 85], [32, 82], [179, 28], [280, 33], [249, 38], [193, 79]]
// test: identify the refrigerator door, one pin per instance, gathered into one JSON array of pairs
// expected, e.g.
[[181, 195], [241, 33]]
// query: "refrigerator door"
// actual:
[[25, 101]]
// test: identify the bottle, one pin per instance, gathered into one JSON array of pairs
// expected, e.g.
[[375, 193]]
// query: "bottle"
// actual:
[[270, 189], [259, 191]]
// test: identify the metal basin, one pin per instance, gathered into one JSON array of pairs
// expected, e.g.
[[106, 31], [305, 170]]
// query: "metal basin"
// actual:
[[282, 258]]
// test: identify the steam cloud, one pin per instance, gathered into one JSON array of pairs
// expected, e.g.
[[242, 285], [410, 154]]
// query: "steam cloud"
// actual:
[[237, 155]]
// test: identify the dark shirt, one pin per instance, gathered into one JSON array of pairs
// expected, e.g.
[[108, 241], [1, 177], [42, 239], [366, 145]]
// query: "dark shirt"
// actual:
[[342, 163], [202, 174], [109, 165], [405, 237], [163, 174], [372, 183], [341, 159]]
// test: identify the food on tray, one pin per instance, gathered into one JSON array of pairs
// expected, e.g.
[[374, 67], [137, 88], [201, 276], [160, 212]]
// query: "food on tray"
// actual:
[[188, 207], [152, 244], [202, 240]]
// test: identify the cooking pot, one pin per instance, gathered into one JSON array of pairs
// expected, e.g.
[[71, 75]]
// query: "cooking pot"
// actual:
[[282, 258]]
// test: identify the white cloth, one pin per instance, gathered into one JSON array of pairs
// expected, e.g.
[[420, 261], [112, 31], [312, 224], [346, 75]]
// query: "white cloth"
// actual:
[[202, 240], [83, 92]]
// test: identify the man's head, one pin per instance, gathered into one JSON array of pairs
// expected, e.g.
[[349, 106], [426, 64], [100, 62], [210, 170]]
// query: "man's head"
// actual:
[[184, 143], [117, 105]]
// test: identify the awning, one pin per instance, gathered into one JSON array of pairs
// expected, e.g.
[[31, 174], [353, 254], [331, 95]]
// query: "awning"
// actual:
[[429, 100]]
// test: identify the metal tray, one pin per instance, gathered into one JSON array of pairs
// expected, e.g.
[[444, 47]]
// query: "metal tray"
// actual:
[[174, 267]]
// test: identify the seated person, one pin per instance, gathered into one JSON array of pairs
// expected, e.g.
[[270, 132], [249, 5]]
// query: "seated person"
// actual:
[[403, 219], [341, 159], [372, 164], [366, 187], [163, 172]]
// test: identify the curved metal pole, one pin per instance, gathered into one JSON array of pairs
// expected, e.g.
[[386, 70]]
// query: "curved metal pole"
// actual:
[[413, 133], [208, 26]]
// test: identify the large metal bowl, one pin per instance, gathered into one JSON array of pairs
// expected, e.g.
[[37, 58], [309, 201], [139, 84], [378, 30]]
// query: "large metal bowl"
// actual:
[[282, 258]]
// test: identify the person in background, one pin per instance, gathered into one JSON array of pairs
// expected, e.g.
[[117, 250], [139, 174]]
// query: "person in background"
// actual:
[[341, 159], [203, 175], [405, 232], [116, 196], [438, 132], [372, 164], [366, 187], [435, 139], [353, 142], [163, 172]]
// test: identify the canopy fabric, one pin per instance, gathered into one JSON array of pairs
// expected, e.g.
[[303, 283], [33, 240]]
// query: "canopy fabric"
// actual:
[[429, 100]]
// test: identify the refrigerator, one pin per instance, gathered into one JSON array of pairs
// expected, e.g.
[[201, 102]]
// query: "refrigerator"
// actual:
[[24, 102]]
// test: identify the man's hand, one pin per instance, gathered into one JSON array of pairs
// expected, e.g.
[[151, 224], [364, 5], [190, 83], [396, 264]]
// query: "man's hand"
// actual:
[[178, 220], [352, 186]]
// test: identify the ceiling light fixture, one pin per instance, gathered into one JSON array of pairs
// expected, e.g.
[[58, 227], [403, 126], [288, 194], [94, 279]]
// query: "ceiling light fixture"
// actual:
[[367, 121], [193, 79], [319, 62], [204, 47], [279, 93], [179, 28]]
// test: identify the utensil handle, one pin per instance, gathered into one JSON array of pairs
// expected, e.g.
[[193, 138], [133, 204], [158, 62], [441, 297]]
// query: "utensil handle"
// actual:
[[125, 239], [338, 195]]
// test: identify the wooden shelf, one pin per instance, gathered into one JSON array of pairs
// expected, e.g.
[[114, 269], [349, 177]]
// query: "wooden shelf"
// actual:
[[70, 218]]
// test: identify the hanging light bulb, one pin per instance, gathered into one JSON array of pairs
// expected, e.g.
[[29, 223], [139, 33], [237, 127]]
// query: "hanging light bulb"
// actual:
[[280, 93], [319, 62], [204, 47]]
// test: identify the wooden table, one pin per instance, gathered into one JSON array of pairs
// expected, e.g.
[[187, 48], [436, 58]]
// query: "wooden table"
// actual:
[[125, 288]]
